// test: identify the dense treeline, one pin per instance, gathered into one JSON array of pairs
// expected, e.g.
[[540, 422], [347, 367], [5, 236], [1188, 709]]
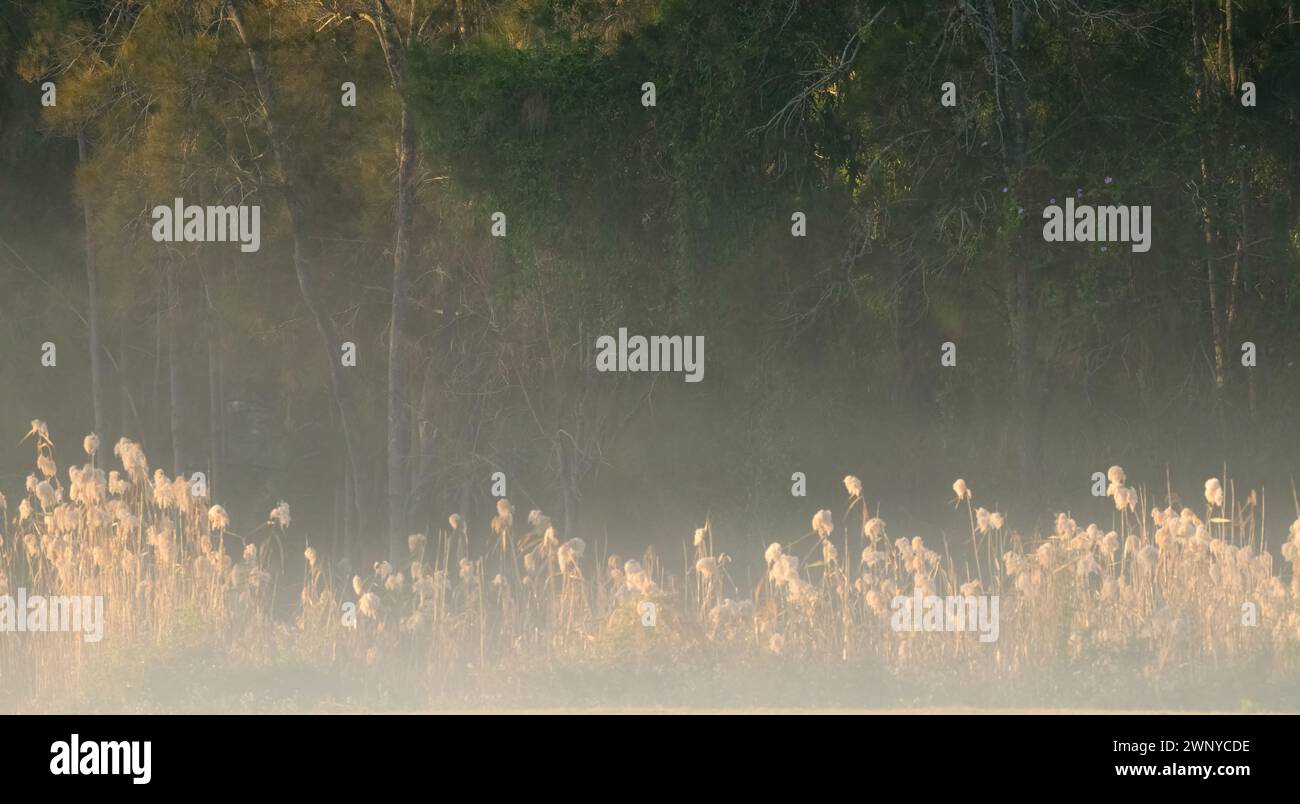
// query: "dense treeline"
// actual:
[[476, 354]]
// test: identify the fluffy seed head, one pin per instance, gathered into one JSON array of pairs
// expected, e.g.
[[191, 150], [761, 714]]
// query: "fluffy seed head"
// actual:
[[773, 552], [280, 514], [369, 605], [1214, 492], [217, 518], [822, 524]]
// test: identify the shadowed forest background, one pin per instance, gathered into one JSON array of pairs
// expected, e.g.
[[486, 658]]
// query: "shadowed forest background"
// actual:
[[476, 354]]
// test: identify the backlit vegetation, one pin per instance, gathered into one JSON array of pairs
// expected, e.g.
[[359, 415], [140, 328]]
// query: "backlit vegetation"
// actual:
[[1145, 610]]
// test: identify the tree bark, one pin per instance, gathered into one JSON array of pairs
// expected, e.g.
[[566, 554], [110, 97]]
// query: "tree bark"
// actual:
[[92, 308], [216, 405], [175, 392], [1019, 290], [289, 188], [399, 436], [398, 444]]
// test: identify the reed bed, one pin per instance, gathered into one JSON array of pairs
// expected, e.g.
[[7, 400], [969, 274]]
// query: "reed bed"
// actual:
[[1171, 607]]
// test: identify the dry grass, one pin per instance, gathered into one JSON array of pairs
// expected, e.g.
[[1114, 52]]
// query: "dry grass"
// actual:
[[1144, 613]]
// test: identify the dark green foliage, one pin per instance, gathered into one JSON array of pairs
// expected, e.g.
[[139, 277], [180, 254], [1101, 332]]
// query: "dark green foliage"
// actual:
[[822, 352]]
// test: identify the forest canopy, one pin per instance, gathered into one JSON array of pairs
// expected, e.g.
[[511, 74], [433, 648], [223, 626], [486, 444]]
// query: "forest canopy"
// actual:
[[920, 143]]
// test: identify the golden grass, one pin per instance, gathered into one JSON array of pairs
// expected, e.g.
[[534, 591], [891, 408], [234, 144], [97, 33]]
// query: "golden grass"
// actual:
[[519, 618]]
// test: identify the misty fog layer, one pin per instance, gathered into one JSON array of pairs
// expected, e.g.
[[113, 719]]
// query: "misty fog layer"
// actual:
[[509, 301]]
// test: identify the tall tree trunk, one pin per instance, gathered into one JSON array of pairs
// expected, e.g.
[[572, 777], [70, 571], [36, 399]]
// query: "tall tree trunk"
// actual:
[[338, 520], [399, 436], [123, 367], [1009, 93], [160, 311], [1029, 386], [289, 187], [1232, 53], [394, 47], [216, 404], [1218, 321], [351, 515], [92, 308], [913, 390], [175, 392], [421, 508], [1222, 300]]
